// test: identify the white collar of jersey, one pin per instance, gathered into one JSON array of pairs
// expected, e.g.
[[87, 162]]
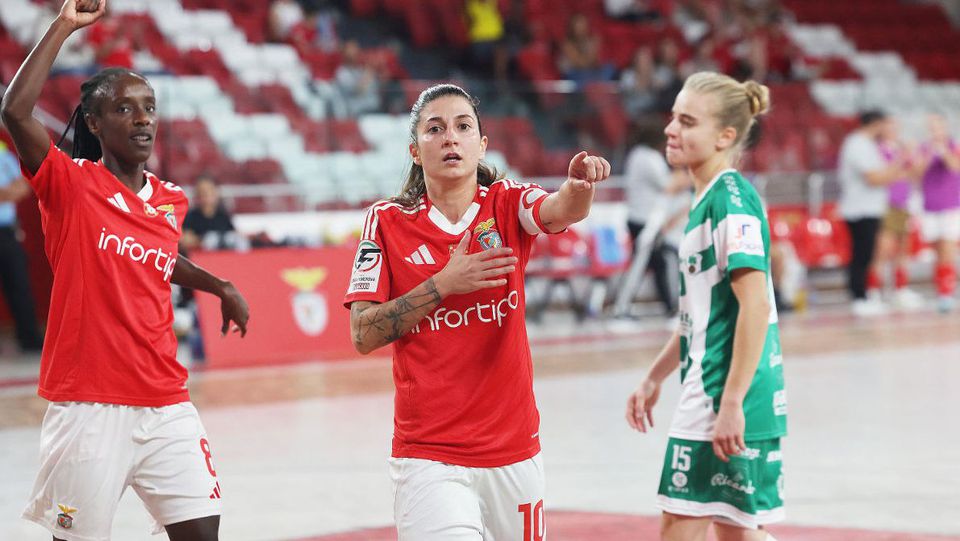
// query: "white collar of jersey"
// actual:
[[444, 224], [146, 192], [710, 186]]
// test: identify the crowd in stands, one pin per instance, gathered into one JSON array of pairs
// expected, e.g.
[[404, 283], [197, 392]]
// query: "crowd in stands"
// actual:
[[595, 69]]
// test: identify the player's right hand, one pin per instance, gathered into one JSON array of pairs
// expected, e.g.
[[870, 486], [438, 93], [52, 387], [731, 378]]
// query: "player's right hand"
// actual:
[[640, 405], [465, 272], [80, 13]]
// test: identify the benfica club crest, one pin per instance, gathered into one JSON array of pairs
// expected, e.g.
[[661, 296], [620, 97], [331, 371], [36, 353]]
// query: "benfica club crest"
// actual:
[[309, 306], [169, 215], [487, 236], [65, 519]]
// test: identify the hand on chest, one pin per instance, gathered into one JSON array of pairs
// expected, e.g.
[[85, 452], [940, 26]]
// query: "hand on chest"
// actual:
[[423, 253]]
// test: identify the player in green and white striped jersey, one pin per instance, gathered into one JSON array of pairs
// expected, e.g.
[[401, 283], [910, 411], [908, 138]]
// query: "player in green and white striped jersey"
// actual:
[[723, 460]]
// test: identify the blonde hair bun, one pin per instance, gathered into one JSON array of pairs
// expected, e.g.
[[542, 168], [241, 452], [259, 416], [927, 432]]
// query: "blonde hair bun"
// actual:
[[738, 104], [759, 97]]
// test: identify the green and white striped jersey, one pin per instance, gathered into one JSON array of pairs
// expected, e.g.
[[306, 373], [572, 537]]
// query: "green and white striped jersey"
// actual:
[[727, 230]]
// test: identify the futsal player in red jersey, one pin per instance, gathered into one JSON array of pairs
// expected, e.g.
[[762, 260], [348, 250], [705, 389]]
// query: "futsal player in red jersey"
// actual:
[[119, 412], [439, 274]]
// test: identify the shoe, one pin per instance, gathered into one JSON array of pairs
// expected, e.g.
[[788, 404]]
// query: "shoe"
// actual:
[[945, 304], [868, 308], [907, 299]]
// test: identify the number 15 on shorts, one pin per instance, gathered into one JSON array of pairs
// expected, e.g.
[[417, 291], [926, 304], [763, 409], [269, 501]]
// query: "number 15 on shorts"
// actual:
[[681, 458], [533, 527]]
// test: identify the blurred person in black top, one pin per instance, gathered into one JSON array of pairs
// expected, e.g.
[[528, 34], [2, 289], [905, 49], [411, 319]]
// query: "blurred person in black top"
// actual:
[[208, 225]]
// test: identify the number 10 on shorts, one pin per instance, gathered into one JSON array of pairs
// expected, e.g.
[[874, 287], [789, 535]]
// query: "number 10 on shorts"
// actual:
[[533, 528]]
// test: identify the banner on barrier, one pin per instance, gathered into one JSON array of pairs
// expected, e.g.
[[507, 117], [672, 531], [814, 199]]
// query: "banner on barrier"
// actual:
[[296, 305]]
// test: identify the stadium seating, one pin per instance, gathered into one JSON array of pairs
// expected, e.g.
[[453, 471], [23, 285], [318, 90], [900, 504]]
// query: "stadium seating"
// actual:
[[232, 99]]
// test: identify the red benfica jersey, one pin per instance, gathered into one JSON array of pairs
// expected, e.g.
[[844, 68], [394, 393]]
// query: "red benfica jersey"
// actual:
[[109, 333], [463, 375]]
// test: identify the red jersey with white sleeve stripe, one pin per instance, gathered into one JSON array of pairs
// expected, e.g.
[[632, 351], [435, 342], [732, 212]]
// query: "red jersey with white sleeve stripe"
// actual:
[[110, 328], [463, 375]]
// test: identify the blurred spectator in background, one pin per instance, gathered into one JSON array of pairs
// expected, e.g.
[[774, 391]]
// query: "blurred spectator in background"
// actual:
[[939, 163], [114, 42], [317, 29], [750, 59], [781, 52], [666, 73], [893, 242], [579, 59], [359, 82], [864, 176], [208, 225], [637, 84], [77, 57], [650, 187], [703, 59], [13, 261], [691, 17], [632, 10], [488, 50], [284, 15]]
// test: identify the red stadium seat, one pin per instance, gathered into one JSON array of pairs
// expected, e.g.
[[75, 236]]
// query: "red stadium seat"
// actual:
[[265, 171], [365, 8], [823, 243], [347, 136], [321, 64], [608, 254], [535, 62]]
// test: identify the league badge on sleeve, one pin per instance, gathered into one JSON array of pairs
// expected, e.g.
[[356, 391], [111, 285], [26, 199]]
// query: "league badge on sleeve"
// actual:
[[487, 236], [366, 268]]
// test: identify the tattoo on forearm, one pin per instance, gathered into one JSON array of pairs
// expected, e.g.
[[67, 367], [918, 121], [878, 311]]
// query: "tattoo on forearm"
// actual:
[[391, 320]]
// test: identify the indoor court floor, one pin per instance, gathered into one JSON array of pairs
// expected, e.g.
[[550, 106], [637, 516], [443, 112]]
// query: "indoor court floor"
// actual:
[[301, 450]]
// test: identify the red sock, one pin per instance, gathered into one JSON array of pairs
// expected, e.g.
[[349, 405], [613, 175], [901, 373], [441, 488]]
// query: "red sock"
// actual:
[[946, 278], [873, 280], [901, 277]]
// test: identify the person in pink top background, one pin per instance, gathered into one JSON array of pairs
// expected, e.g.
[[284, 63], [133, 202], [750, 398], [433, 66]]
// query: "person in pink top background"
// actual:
[[893, 241], [939, 165]]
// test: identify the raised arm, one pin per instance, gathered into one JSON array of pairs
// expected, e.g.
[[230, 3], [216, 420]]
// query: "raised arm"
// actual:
[[29, 135], [571, 203]]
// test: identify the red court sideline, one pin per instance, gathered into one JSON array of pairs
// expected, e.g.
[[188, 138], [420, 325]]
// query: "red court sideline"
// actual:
[[581, 526]]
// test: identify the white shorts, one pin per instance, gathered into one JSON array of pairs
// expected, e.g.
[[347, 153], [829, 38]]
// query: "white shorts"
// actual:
[[434, 501], [943, 225], [90, 453]]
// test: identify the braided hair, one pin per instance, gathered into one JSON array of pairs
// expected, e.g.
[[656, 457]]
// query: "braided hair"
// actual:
[[85, 144]]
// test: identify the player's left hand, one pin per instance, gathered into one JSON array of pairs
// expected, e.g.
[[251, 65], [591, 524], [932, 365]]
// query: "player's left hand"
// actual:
[[233, 307], [728, 432], [585, 170]]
